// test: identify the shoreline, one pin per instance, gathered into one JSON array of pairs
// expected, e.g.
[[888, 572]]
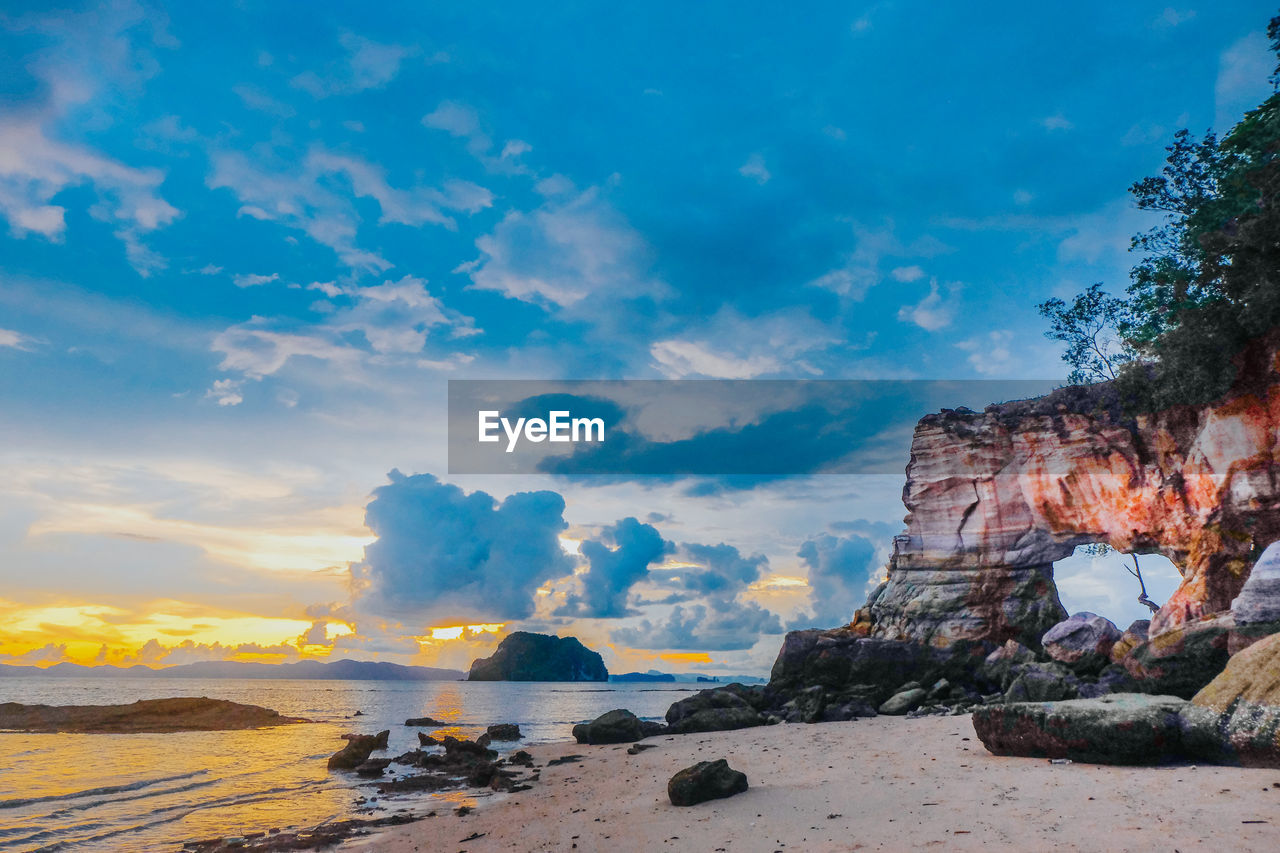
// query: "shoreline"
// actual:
[[886, 783]]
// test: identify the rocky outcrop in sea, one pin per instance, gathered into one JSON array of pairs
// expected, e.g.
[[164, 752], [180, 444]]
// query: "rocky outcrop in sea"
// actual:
[[525, 656]]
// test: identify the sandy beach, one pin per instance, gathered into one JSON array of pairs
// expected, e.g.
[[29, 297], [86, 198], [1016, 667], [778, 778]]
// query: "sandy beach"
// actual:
[[877, 784]]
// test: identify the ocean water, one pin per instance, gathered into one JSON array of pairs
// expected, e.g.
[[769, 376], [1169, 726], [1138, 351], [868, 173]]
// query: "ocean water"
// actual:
[[142, 792]]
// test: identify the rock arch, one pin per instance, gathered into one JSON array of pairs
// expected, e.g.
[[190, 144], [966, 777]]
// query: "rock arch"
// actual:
[[994, 498]]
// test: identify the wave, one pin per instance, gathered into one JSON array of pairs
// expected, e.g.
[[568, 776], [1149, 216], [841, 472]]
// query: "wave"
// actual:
[[97, 792]]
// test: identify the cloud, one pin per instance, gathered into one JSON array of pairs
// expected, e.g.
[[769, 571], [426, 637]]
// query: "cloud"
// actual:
[[990, 354], [564, 252], [35, 165], [931, 313], [718, 626], [907, 274], [613, 571], [226, 392], [395, 318], [253, 280], [725, 571], [455, 558], [459, 121], [731, 346], [861, 268], [1056, 122], [839, 570], [1243, 72], [15, 340], [677, 359], [302, 196], [368, 65], [755, 169]]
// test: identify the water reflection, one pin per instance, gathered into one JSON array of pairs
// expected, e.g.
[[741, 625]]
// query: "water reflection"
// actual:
[[146, 791]]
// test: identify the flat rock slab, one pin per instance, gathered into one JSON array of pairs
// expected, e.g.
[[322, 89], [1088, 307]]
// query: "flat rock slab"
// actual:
[[184, 714], [1122, 728]]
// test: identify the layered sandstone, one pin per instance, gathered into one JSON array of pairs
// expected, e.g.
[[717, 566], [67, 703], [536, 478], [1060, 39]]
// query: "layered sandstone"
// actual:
[[994, 498]]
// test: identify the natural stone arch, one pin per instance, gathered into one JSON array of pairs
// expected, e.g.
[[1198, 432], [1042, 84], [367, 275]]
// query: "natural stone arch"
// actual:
[[995, 498]]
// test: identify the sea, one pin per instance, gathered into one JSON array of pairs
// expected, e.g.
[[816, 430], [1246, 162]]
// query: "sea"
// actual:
[[144, 792]]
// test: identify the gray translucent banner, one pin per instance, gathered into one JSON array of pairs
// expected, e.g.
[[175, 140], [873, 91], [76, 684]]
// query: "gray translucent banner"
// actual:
[[702, 428]]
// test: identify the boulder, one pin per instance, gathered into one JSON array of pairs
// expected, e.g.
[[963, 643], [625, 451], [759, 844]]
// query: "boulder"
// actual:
[[504, 732], [524, 656], [372, 766], [1259, 598], [1241, 707], [1123, 728], [907, 700], [1256, 610], [1182, 660], [720, 709], [1133, 636], [1113, 679], [357, 750], [429, 722], [1082, 642], [427, 740], [617, 726], [706, 780], [1042, 682], [1001, 667]]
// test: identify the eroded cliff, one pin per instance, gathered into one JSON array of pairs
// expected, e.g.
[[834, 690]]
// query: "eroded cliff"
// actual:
[[995, 497]]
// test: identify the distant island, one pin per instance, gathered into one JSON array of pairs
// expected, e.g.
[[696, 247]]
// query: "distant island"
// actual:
[[344, 670], [524, 656], [654, 675], [643, 676]]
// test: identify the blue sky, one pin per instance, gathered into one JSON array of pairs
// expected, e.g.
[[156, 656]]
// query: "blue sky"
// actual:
[[243, 249]]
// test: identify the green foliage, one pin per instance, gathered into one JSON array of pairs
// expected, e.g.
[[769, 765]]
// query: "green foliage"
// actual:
[[1208, 280], [1089, 326]]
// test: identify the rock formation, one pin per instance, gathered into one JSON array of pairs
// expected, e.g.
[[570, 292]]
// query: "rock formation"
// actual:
[[706, 780], [994, 498], [523, 656], [182, 714]]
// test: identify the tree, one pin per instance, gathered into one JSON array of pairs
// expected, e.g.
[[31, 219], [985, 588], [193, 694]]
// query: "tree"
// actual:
[[1090, 327], [1099, 549], [1208, 280]]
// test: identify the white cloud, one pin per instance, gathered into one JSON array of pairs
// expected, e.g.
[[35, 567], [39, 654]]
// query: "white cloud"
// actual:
[[755, 169], [731, 346], [299, 196], [1242, 82], [226, 392], [460, 121], [1023, 197], [678, 359], [907, 274], [35, 167], [990, 354], [253, 279], [1056, 122], [368, 65], [15, 340], [564, 252], [463, 122], [931, 313], [395, 318], [861, 268]]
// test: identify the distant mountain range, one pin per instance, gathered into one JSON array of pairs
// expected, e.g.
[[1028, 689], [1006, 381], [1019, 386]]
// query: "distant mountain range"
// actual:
[[346, 670]]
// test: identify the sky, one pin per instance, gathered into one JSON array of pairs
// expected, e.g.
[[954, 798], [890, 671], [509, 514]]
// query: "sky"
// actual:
[[243, 249]]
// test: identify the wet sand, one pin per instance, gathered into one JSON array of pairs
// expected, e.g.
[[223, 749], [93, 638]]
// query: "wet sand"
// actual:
[[879, 784]]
